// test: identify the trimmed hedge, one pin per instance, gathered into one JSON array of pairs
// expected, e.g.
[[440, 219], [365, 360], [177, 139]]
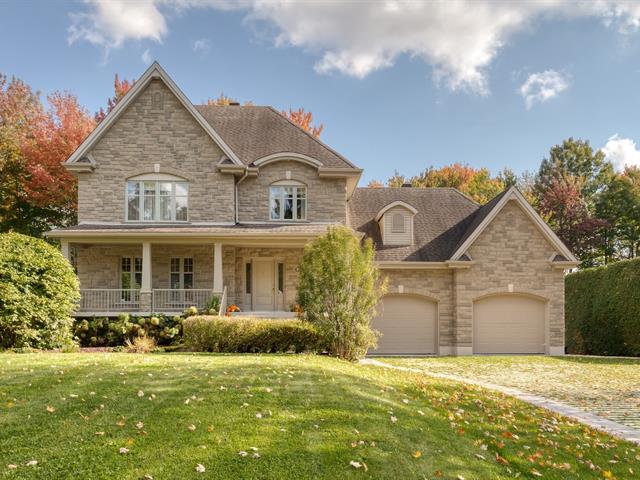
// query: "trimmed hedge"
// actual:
[[38, 293], [250, 335], [602, 310]]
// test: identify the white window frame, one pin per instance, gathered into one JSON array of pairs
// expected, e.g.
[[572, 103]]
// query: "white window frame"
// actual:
[[181, 272], [296, 186], [157, 179]]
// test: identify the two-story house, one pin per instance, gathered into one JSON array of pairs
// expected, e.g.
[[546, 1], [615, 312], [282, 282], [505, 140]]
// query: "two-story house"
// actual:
[[180, 202]]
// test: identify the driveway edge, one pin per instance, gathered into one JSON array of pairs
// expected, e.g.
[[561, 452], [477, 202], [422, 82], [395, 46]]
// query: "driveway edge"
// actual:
[[597, 422]]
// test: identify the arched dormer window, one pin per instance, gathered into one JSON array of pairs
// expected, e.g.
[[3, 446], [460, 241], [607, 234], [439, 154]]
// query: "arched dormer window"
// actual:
[[157, 197], [287, 201]]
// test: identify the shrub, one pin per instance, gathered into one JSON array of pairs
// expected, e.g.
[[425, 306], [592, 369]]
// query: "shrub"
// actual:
[[104, 332], [141, 344], [242, 335], [38, 293], [339, 289], [602, 310]]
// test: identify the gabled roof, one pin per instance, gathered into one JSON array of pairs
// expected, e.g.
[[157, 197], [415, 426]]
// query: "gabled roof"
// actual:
[[155, 71], [258, 134], [445, 225], [442, 217], [396, 203], [488, 212]]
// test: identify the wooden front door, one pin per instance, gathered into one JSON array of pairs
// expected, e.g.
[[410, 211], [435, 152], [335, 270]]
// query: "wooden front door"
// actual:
[[263, 284]]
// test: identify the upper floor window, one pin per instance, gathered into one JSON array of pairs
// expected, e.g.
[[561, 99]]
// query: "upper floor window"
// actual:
[[288, 202], [157, 200]]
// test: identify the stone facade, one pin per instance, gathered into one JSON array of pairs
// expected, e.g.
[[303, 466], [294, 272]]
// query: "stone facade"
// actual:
[[326, 197], [510, 251], [149, 132]]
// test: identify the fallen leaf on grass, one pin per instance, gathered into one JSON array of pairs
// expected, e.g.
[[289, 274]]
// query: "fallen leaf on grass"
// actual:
[[32, 463], [139, 425], [123, 450], [356, 465], [417, 454], [200, 468], [140, 393], [191, 427], [99, 433], [12, 466], [393, 419], [501, 460], [50, 409]]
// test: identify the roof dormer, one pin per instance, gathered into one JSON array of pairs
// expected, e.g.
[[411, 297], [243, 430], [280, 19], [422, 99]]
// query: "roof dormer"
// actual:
[[396, 223]]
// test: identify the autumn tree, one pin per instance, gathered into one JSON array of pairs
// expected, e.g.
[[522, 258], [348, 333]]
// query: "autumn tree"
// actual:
[[304, 120], [375, 184], [37, 191], [120, 88]]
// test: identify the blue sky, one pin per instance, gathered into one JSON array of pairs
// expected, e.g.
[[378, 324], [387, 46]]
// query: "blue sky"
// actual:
[[398, 85]]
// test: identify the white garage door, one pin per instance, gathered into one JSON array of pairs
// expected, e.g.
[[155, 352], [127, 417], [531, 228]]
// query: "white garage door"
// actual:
[[508, 324], [407, 324]]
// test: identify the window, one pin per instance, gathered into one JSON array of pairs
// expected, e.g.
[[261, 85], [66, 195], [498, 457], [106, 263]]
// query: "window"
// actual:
[[151, 200], [130, 276], [247, 278], [397, 223], [281, 277], [288, 202], [181, 273]]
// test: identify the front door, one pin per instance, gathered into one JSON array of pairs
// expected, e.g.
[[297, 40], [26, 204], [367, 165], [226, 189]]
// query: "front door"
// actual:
[[263, 284]]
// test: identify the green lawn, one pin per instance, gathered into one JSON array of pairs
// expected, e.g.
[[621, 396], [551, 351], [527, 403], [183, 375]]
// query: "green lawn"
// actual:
[[72, 413], [609, 387]]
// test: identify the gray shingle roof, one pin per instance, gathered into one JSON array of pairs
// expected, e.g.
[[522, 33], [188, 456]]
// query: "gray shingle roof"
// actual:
[[254, 132], [444, 216]]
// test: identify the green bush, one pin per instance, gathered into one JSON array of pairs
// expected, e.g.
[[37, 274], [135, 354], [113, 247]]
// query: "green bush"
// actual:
[[602, 310], [38, 293], [243, 335], [105, 332], [339, 289]]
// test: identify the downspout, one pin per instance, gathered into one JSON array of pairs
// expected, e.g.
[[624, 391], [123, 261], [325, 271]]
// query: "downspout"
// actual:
[[246, 174]]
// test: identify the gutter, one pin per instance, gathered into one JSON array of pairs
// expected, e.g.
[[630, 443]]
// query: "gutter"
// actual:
[[246, 174]]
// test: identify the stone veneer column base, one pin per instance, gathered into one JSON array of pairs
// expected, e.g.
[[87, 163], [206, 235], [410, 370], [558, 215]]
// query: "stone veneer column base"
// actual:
[[555, 351], [145, 302]]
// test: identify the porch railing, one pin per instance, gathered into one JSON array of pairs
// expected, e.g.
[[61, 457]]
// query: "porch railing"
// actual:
[[170, 300], [108, 300]]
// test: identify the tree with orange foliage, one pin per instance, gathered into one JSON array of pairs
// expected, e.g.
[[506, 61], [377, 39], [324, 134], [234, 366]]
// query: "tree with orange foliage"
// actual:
[[304, 120], [37, 192], [120, 88]]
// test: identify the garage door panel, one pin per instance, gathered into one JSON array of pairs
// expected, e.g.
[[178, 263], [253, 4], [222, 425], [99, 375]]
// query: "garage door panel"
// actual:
[[509, 324], [407, 325]]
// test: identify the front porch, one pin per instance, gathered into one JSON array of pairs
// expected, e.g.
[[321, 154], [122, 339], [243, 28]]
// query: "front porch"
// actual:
[[168, 278]]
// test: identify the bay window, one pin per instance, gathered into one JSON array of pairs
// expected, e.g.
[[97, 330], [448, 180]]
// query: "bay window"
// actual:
[[157, 200], [288, 202]]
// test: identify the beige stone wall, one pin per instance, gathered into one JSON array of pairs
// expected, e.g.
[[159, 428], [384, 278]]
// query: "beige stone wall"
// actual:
[[144, 136], [511, 250], [326, 197], [99, 265], [433, 284]]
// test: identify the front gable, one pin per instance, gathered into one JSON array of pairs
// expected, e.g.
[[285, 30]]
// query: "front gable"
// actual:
[[153, 133], [536, 228]]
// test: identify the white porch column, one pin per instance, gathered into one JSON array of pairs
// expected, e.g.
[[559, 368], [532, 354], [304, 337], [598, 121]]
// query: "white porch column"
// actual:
[[145, 288], [146, 268], [64, 248], [218, 284]]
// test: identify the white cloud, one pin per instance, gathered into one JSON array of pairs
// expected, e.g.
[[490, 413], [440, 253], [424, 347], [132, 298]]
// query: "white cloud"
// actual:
[[146, 57], [542, 86], [458, 38], [203, 45], [109, 23], [621, 152]]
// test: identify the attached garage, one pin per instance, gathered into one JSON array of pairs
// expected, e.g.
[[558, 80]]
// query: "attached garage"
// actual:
[[509, 324], [408, 324]]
